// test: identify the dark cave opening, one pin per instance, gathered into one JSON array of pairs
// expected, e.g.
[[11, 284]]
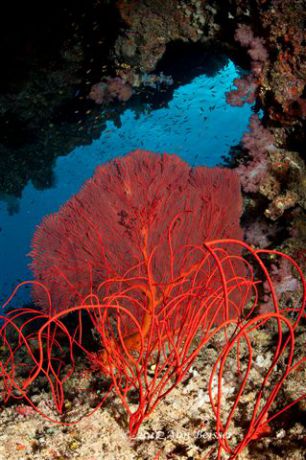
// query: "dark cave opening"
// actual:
[[187, 60]]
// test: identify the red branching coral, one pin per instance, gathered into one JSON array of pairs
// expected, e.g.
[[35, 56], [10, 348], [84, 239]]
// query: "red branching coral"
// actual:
[[278, 366], [164, 346], [123, 216], [43, 345]]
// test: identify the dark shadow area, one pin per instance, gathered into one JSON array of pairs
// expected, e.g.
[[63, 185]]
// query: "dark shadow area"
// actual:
[[37, 35], [185, 61], [59, 116], [51, 53]]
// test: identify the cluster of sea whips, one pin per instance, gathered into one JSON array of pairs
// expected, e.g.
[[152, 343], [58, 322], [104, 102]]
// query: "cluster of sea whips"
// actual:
[[148, 260]]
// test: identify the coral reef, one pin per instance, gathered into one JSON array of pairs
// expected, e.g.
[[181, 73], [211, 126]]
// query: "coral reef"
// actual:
[[149, 351], [182, 425]]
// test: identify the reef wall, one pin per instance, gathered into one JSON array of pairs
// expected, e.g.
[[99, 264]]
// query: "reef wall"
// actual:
[[48, 95]]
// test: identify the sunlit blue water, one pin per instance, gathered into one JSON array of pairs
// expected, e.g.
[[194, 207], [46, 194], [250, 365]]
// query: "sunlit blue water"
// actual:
[[198, 125]]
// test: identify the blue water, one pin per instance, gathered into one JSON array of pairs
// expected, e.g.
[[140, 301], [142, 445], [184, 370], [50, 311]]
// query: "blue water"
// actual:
[[198, 125]]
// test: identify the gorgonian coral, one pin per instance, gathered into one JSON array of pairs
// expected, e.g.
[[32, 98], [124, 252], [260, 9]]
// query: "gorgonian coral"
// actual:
[[120, 223]]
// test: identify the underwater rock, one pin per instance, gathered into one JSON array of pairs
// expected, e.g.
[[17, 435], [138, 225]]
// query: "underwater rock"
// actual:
[[151, 25]]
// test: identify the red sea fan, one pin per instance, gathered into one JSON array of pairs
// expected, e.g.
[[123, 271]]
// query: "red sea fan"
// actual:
[[136, 219]]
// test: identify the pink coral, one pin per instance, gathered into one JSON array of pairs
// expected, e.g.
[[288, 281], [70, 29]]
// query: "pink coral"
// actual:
[[284, 283], [110, 89], [258, 141], [98, 93], [246, 87], [257, 50], [118, 88], [259, 234], [245, 91], [244, 35]]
